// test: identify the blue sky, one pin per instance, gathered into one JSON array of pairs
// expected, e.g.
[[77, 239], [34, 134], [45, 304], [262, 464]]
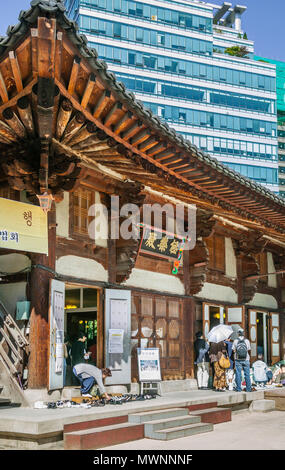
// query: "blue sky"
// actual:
[[263, 22]]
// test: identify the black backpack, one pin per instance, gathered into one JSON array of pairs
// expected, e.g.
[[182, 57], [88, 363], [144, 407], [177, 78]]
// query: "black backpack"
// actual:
[[241, 350]]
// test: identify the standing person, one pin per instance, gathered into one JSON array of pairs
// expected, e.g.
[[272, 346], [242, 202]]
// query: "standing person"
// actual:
[[202, 360], [78, 349], [93, 350], [216, 351], [241, 348], [77, 353], [230, 373], [89, 375]]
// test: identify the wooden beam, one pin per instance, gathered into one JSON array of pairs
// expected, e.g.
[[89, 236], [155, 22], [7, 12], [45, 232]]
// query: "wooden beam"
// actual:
[[7, 132], [83, 134], [165, 154], [149, 143], [101, 103], [58, 55], [156, 149], [97, 148], [74, 125], [16, 71], [25, 113], [74, 75], [112, 114], [178, 165], [45, 91], [46, 47], [63, 117], [88, 90], [132, 130], [3, 90], [82, 146], [34, 51], [14, 122], [123, 122], [140, 137]]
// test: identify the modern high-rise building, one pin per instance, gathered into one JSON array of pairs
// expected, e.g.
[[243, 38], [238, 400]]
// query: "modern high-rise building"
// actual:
[[191, 63], [280, 82]]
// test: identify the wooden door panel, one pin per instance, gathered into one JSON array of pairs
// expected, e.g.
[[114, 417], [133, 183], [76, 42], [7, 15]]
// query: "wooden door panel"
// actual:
[[206, 319], [252, 316], [274, 332]]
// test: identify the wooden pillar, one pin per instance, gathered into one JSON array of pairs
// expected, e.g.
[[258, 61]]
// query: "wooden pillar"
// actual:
[[189, 314], [189, 317], [39, 296]]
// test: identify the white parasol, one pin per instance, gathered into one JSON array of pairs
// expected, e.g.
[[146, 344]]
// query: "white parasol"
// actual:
[[220, 333]]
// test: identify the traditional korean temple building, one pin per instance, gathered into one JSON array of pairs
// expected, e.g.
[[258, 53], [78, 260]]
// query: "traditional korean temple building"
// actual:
[[69, 128]]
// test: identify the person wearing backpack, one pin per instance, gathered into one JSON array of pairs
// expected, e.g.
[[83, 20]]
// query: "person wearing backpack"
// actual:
[[241, 348]]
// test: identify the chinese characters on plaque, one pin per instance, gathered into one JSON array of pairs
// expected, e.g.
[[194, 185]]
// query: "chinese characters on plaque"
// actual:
[[160, 243]]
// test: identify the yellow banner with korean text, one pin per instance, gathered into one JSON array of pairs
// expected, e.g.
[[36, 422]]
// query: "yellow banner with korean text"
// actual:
[[23, 227]]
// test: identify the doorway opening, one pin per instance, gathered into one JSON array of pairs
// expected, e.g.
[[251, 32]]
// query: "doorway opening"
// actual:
[[216, 316], [83, 315], [263, 346]]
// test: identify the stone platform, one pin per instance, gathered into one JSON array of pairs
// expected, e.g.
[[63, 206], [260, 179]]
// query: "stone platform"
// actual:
[[278, 395], [43, 428]]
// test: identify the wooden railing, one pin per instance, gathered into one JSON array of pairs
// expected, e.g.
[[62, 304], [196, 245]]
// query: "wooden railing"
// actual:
[[13, 346]]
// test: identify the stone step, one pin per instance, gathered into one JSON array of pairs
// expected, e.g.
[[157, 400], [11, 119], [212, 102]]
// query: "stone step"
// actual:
[[170, 423], [202, 406], [4, 401], [146, 416], [263, 406], [213, 415], [10, 405], [97, 438], [181, 431]]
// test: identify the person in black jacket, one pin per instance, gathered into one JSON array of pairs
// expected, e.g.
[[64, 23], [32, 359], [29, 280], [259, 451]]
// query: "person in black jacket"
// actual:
[[77, 353], [202, 360]]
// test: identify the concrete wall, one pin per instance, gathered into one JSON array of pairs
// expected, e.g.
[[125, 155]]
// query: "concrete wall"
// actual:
[[264, 301], [230, 257], [62, 217], [272, 280], [217, 293], [82, 268], [155, 281]]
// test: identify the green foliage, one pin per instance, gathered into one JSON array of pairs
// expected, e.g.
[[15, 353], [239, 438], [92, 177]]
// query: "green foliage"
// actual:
[[237, 51]]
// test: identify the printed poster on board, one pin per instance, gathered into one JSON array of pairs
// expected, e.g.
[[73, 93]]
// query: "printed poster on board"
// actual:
[[149, 365]]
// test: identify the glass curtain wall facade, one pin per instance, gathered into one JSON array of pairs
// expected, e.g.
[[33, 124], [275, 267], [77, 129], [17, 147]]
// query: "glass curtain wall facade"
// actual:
[[172, 55], [280, 82]]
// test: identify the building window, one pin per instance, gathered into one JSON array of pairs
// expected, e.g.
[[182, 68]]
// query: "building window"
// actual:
[[81, 201]]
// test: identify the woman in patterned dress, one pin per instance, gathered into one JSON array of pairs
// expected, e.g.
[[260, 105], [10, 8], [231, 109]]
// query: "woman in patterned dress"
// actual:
[[215, 353]]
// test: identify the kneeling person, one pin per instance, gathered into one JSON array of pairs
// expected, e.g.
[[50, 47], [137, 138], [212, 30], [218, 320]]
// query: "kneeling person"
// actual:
[[88, 376]]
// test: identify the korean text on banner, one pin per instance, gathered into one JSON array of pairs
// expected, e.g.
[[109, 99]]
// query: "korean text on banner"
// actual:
[[23, 227]]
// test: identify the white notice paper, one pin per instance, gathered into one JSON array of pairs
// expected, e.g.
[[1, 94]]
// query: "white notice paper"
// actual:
[[116, 341]]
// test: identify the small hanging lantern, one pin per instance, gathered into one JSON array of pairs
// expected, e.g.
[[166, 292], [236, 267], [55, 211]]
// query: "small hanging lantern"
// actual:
[[45, 201]]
